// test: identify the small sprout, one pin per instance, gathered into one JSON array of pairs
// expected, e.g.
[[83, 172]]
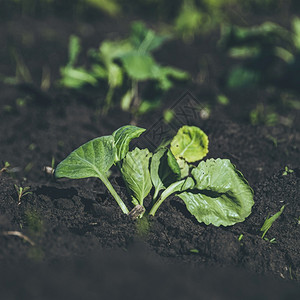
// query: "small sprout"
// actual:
[[22, 192], [269, 221], [28, 167], [5, 167], [32, 146], [196, 251], [222, 99], [50, 170], [241, 237], [287, 171], [272, 241], [21, 102], [273, 139], [168, 116], [53, 162]]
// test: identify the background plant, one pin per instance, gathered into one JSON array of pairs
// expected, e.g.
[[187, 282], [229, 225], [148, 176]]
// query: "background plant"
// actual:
[[123, 63]]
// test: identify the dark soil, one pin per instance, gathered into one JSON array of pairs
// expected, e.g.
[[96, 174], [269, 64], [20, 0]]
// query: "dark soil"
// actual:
[[81, 245]]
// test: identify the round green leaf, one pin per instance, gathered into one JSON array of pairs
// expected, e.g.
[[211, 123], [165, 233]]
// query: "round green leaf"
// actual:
[[222, 196], [190, 143]]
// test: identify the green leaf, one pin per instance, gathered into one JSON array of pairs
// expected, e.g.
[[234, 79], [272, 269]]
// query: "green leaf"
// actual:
[[122, 137], [135, 171], [110, 50], [164, 170], [242, 77], [145, 39], [92, 159], [76, 77], [184, 167], [111, 7], [221, 196], [138, 66], [74, 49], [146, 106], [163, 75], [127, 100], [115, 75], [269, 221], [190, 143], [296, 32]]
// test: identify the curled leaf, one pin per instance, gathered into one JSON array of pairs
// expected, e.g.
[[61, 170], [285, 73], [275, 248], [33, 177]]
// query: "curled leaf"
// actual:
[[135, 171], [221, 195], [122, 137]]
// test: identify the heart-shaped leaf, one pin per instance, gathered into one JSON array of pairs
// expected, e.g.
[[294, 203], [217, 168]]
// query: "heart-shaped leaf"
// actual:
[[92, 159]]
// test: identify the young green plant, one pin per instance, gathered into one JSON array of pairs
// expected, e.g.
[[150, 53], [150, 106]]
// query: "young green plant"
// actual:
[[269, 221], [22, 192], [214, 191], [123, 64], [5, 167]]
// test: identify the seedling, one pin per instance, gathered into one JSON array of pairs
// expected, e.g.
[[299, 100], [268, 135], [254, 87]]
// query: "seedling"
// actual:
[[50, 170], [22, 192], [272, 241], [123, 63], [5, 167], [241, 237], [252, 45], [287, 171], [214, 191], [269, 221], [195, 251]]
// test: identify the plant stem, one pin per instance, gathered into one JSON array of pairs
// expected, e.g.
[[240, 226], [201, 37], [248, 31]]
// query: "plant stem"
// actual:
[[115, 195], [158, 203], [173, 188]]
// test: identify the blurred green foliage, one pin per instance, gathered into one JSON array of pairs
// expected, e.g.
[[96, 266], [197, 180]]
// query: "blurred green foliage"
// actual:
[[266, 55], [123, 63]]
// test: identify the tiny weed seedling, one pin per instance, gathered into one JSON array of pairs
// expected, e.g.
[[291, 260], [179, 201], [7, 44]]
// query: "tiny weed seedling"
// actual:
[[268, 223], [22, 192], [241, 237], [287, 171], [272, 241], [194, 251], [214, 191], [5, 167]]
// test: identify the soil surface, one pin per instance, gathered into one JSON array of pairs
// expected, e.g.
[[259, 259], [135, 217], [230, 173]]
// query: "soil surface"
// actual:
[[75, 242]]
